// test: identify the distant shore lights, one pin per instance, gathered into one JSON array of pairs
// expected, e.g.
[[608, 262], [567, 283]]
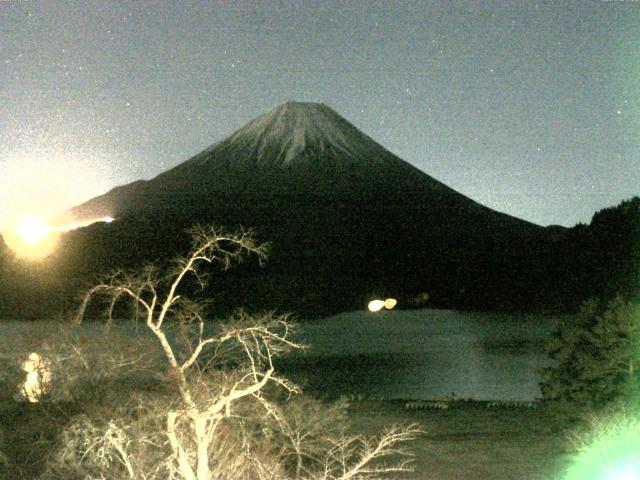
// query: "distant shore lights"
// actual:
[[377, 305]]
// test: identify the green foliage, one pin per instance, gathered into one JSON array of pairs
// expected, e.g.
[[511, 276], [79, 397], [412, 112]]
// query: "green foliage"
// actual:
[[596, 354]]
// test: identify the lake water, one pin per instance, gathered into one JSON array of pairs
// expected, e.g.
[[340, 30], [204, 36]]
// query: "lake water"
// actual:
[[423, 354], [418, 354]]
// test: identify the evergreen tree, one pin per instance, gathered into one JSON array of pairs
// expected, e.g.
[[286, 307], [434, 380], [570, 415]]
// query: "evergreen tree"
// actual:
[[596, 354]]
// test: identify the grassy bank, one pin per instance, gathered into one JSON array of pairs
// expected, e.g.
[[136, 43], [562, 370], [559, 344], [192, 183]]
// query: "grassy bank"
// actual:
[[470, 441], [467, 441]]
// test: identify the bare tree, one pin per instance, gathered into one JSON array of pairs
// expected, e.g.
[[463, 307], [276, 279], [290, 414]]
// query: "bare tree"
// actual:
[[158, 298], [323, 450], [216, 369]]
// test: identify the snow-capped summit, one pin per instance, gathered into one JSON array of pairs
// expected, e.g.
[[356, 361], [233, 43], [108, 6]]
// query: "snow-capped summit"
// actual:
[[299, 148], [294, 132]]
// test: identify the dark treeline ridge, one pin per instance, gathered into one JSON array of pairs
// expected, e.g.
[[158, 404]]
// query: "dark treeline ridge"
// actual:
[[325, 259]]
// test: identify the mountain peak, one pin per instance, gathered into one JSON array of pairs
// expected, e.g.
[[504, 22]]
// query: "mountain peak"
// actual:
[[302, 107], [291, 133]]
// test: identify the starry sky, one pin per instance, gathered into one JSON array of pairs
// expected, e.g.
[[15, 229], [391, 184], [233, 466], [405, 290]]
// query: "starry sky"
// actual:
[[531, 108]]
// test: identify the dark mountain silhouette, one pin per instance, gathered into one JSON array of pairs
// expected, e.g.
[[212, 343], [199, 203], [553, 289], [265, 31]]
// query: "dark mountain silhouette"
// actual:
[[347, 219], [303, 149]]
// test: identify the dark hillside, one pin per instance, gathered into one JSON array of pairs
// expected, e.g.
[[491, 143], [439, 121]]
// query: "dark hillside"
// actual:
[[347, 220]]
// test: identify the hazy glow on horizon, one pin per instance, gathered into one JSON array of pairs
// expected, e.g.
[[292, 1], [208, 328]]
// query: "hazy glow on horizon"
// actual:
[[32, 230], [33, 239], [40, 183]]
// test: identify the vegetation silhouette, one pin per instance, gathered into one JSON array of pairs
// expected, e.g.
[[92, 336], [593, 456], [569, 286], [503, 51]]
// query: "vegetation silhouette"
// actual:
[[336, 261]]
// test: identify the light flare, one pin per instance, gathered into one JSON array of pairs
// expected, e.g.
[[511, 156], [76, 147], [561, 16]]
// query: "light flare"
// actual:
[[32, 230], [612, 454], [376, 305], [624, 472], [33, 239], [39, 377]]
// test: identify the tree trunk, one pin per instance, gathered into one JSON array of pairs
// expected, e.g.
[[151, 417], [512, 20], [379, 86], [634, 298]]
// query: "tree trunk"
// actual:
[[200, 425], [183, 462]]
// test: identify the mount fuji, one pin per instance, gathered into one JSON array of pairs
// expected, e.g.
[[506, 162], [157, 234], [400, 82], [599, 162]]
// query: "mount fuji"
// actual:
[[295, 149], [347, 219]]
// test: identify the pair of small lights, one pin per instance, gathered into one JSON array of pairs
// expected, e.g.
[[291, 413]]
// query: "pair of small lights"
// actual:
[[377, 305]]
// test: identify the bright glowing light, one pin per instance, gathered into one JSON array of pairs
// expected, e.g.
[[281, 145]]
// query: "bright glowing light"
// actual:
[[613, 454], [49, 178], [31, 239], [74, 225], [376, 305], [38, 377], [389, 303], [32, 230], [624, 472]]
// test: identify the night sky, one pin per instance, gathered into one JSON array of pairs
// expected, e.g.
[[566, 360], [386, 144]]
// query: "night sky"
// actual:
[[530, 109]]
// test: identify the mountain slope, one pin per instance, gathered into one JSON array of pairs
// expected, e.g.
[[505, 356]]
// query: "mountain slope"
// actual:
[[347, 219], [295, 149]]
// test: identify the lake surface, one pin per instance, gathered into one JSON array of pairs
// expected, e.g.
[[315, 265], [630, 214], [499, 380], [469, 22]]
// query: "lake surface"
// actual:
[[417, 354], [423, 354]]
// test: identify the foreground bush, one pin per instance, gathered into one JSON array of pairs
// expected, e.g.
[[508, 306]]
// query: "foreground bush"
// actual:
[[596, 355], [92, 371]]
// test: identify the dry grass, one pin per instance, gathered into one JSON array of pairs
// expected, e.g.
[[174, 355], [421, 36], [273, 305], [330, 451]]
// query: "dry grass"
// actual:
[[464, 442], [467, 441], [472, 442]]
